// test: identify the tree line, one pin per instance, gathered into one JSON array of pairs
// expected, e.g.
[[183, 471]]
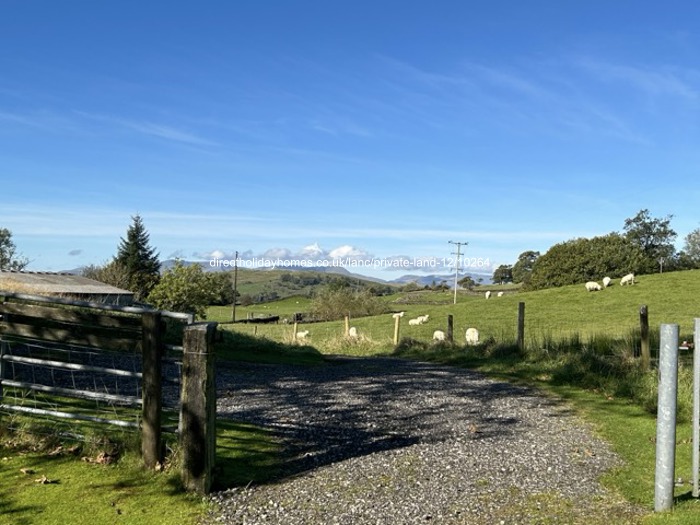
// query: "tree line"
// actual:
[[645, 245]]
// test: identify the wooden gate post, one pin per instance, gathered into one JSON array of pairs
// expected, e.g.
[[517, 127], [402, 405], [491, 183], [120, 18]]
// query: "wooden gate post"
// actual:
[[397, 324], [644, 335], [151, 390], [198, 408], [450, 328]]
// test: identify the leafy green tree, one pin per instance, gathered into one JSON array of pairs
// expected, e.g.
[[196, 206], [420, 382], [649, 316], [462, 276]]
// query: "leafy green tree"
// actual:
[[654, 237], [411, 286], [111, 273], [580, 260], [523, 267], [9, 258], [467, 282], [139, 260], [333, 303], [222, 282], [503, 274], [184, 289], [691, 248]]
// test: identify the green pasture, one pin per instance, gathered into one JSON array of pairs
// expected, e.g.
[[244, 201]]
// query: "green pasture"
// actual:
[[550, 315], [50, 482]]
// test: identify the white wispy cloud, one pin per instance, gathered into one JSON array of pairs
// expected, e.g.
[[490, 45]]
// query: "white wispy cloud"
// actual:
[[653, 80], [150, 128]]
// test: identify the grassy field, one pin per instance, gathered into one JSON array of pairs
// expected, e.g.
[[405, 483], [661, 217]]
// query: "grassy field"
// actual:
[[551, 315], [42, 482], [567, 332]]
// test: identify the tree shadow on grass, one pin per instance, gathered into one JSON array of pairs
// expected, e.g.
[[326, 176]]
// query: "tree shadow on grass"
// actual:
[[234, 347]]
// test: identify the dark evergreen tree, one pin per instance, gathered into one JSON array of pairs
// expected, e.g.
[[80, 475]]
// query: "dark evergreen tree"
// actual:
[[139, 260]]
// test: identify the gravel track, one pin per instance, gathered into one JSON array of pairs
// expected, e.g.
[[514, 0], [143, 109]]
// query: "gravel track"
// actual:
[[389, 441]]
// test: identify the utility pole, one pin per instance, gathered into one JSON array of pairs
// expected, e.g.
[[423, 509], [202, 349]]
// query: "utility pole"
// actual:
[[458, 262], [235, 287]]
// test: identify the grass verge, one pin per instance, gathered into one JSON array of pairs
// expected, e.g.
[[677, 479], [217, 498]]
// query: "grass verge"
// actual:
[[618, 400], [42, 482]]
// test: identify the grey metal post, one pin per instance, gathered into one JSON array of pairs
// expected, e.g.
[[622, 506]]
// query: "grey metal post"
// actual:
[[696, 410], [666, 418]]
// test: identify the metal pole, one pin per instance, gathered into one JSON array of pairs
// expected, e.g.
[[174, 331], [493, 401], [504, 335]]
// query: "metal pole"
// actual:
[[696, 410], [457, 263], [666, 418]]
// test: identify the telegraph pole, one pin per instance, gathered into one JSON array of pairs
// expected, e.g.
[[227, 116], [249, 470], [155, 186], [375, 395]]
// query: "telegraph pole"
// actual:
[[458, 261]]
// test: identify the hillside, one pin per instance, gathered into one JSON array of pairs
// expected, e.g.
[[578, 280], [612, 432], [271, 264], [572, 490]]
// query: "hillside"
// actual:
[[550, 314], [268, 285]]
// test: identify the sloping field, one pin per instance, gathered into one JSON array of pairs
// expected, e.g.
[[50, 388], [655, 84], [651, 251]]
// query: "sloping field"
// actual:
[[553, 313]]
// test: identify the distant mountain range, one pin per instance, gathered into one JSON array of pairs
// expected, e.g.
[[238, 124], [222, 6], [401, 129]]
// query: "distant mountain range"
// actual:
[[428, 280], [421, 280]]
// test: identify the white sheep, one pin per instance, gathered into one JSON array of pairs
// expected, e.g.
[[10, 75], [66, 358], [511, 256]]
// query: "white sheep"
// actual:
[[352, 332], [487, 294], [438, 335], [593, 286], [627, 279], [472, 336], [302, 335], [397, 315], [499, 294], [606, 282], [414, 322], [423, 318]]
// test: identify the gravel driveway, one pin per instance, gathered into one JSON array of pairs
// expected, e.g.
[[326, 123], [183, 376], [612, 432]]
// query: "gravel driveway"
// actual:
[[389, 441]]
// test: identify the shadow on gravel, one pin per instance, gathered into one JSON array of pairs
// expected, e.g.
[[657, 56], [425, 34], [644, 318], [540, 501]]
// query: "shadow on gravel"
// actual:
[[358, 406]]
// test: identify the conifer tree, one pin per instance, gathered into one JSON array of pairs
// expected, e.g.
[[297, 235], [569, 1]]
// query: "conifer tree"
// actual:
[[139, 260]]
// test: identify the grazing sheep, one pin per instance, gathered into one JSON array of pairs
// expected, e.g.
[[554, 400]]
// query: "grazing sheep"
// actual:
[[606, 282], [472, 336], [627, 279], [352, 332], [418, 320], [487, 294], [302, 334], [397, 315], [438, 335], [593, 286], [499, 294]]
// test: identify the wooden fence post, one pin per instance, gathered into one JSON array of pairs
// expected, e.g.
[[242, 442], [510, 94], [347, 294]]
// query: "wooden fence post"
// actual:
[[397, 324], [450, 328], [644, 333], [198, 408], [151, 389], [521, 326], [347, 325]]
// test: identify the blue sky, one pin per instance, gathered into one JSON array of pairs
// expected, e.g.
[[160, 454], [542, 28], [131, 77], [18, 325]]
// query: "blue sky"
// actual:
[[371, 129]]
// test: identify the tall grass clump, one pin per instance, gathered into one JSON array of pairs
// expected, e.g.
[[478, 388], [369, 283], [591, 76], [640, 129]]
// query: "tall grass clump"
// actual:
[[600, 363], [334, 303], [608, 365]]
